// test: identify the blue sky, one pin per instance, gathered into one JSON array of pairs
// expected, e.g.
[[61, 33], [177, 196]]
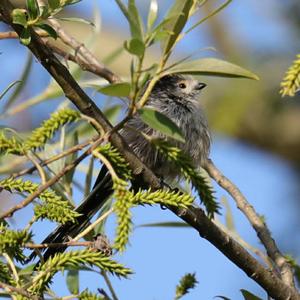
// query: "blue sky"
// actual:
[[160, 256]]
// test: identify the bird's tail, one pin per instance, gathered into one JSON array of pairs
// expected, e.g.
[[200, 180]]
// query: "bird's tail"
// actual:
[[87, 209]]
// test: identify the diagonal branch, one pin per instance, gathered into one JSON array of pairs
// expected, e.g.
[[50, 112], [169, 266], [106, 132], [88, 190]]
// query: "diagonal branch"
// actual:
[[275, 287], [87, 55], [50, 182], [257, 223]]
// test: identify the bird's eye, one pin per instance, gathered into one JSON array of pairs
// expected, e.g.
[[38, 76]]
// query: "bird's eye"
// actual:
[[182, 85]]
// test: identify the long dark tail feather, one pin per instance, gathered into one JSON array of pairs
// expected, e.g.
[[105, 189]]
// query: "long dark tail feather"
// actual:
[[88, 208]]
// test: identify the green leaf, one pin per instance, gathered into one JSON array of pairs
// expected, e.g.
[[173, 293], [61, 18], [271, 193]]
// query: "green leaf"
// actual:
[[67, 141], [71, 2], [116, 89], [136, 25], [73, 281], [25, 36], [132, 17], [152, 15], [8, 88], [48, 29], [19, 17], [112, 112], [33, 9], [23, 81], [179, 13], [135, 46], [221, 7], [249, 296], [160, 122], [211, 67], [222, 297], [54, 4], [45, 12], [79, 20], [89, 177]]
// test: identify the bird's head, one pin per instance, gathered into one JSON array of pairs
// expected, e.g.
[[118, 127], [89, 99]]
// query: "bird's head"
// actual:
[[180, 86]]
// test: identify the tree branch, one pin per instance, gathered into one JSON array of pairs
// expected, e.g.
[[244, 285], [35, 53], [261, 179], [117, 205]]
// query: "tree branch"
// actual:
[[257, 223], [275, 287], [50, 182], [11, 289], [87, 55]]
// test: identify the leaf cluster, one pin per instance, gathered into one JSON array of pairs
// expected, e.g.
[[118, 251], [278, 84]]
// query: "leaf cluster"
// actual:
[[87, 295], [35, 16], [119, 164], [48, 128], [184, 163], [39, 136], [74, 259], [187, 282], [12, 241], [10, 145], [5, 274], [291, 81], [54, 207]]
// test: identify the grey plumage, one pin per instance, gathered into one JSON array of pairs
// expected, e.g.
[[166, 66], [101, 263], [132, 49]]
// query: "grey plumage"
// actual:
[[174, 96]]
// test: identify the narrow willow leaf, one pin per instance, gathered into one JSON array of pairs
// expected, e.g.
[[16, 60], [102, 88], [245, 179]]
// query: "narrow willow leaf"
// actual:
[[229, 220], [69, 140], [112, 112], [89, 177], [25, 36], [152, 15], [73, 281], [23, 81], [79, 20], [135, 29], [160, 122], [33, 9], [135, 46], [116, 89], [50, 30], [136, 24], [211, 67], [8, 88], [221, 7], [249, 296], [180, 13], [19, 17]]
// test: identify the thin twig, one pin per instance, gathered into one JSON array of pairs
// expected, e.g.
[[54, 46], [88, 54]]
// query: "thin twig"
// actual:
[[12, 289], [56, 157], [14, 35], [87, 55], [246, 245], [257, 223], [12, 267], [92, 226], [109, 285], [50, 182], [195, 217], [38, 166], [58, 245]]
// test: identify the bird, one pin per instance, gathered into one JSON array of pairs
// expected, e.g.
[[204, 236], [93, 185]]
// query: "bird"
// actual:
[[177, 97]]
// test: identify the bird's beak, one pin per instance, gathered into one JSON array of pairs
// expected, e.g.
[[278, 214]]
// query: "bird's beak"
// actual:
[[200, 86]]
